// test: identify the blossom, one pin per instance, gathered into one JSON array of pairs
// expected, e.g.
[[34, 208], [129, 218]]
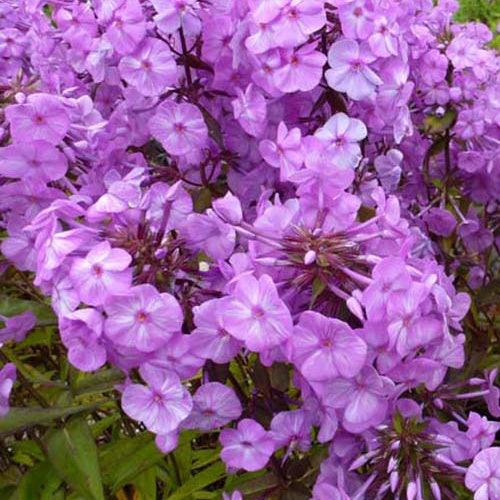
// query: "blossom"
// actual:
[[151, 69], [161, 405], [256, 315], [81, 333], [127, 27], [342, 135], [212, 340], [17, 327], [103, 272], [7, 378], [483, 476], [349, 70], [286, 153], [175, 14], [42, 118], [214, 405], [248, 447], [324, 348], [142, 317], [37, 159], [301, 69], [179, 127], [250, 110]]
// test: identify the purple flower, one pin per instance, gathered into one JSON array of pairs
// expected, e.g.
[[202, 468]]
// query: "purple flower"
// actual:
[[291, 428], [324, 348], [81, 334], [483, 475], [179, 127], [440, 221], [127, 27], [7, 379], [228, 209], [151, 69], [248, 447], [17, 327], [37, 159], [256, 314], [349, 70], [142, 318], [161, 405], [167, 442], [365, 399], [301, 69], [250, 109], [286, 153], [214, 405], [342, 135], [42, 118], [102, 273], [176, 13], [211, 338]]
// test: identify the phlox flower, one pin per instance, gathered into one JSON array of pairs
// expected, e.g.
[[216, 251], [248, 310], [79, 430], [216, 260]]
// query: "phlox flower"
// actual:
[[151, 69], [142, 318], [212, 340], [285, 153], [324, 348], [103, 272], [43, 117], [174, 14], [483, 476], [349, 70], [356, 18], [342, 134], [18, 246], [256, 314], [7, 378], [384, 39], [17, 327], [81, 334], [214, 405], [162, 404], [250, 109], [248, 447], [301, 69], [127, 27], [210, 234], [364, 399], [180, 128]]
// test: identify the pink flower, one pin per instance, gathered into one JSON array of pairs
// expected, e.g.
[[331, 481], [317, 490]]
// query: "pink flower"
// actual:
[[483, 476], [81, 334], [248, 447], [172, 14], [286, 153], [213, 341], [142, 318], [151, 69], [180, 128], [210, 234], [298, 20], [342, 135], [214, 405], [161, 405], [349, 71], [250, 110], [324, 348], [127, 28], [37, 159], [103, 272], [43, 118], [8, 376], [384, 39], [356, 19], [301, 69], [256, 314]]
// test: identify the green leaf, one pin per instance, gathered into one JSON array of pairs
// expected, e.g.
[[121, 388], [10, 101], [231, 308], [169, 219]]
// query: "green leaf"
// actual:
[[19, 419], [437, 124], [136, 455], [203, 479], [259, 484], [97, 382], [40, 483], [214, 128], [73, 454], [145, 485]]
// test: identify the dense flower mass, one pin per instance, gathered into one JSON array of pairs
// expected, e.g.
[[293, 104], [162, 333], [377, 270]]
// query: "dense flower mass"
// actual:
[[256, 209]]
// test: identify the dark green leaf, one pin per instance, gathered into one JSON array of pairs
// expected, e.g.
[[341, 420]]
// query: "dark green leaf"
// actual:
[[40, 483], [203, 479], [73, 454]]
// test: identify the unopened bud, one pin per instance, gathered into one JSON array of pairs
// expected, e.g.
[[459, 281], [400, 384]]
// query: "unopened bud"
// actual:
[[310, 257], [435, 490], [411, 491], [438, 403], [393, 480], [20, 97]]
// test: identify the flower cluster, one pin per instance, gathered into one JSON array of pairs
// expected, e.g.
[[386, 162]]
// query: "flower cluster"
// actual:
[[209, 191]]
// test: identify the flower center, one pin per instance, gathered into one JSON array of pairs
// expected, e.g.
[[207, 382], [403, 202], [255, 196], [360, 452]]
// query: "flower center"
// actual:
[[179, 128], [142, 317], [146, 65], [96, 270], [358, 12], [257, 312]]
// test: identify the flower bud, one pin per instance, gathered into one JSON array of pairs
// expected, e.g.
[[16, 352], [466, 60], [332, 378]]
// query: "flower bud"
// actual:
[[228, 209], [309, 257]]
